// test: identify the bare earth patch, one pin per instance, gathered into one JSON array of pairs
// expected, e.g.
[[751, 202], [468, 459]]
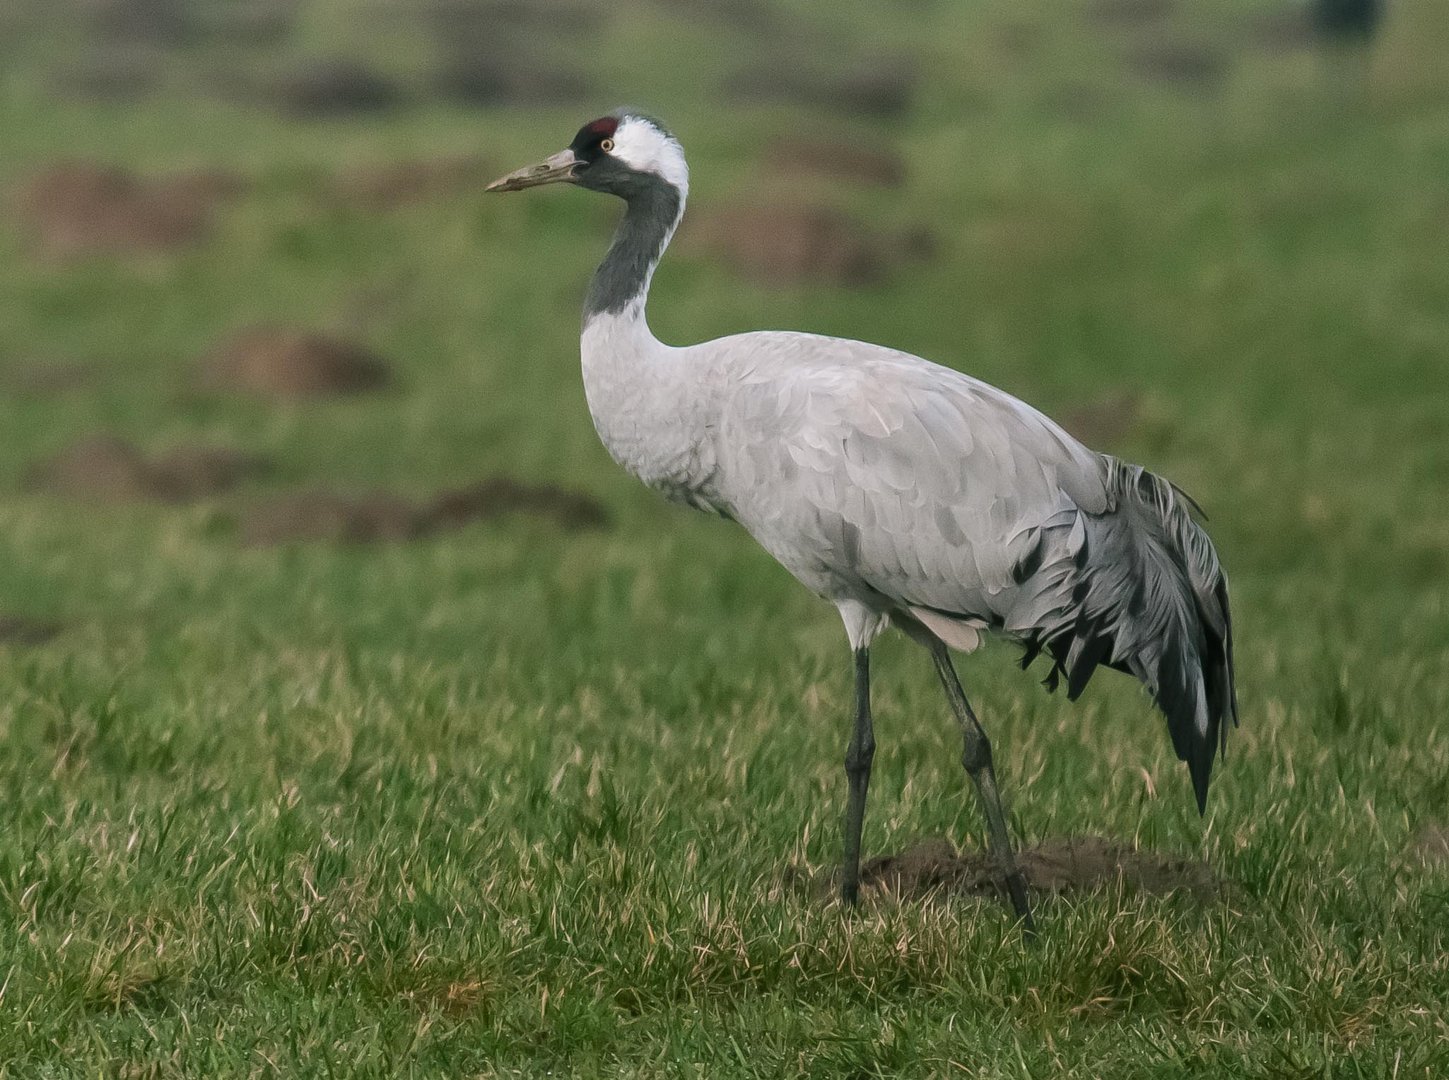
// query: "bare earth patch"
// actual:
[[110, 470], [331, 517], [79, 207], [1060, 865], [781, 245], [836, 161], [24, 631], [375, 517], [281, 363]]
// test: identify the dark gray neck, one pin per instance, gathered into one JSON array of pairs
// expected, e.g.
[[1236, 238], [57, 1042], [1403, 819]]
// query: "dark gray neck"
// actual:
[[623, 276]]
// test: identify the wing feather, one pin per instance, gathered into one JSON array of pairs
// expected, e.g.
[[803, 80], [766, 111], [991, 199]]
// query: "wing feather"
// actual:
[[857, 466]]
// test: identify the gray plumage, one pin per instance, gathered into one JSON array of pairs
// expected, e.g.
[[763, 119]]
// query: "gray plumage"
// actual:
[[904, 492]]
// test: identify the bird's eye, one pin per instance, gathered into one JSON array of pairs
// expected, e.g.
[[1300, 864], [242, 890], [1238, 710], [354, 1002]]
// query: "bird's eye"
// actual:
[[606, 145]]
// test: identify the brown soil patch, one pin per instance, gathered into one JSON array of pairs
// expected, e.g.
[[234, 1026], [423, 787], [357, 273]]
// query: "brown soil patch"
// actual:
[[1431, 845], [1062, 865], [281, 363], [880, 87], [381, 516], [403, 183], [332, 87], [107, 469], [782, 245], [1107, 421], [80, 207], [498, 495], [836, 161], [24, 631], [328, 516]]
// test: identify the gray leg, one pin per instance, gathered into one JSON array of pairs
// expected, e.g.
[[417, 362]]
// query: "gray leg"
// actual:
[[858, 756], [977, 758]]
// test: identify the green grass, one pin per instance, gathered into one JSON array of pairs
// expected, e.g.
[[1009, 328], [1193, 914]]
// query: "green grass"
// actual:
[[516, 802]]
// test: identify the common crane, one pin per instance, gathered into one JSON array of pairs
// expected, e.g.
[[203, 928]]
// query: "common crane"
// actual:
[[906, 493]]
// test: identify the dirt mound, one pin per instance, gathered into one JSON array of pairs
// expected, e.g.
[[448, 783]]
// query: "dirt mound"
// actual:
[[328, 516], [836, 161], [80, 207], [782, 245], [454, 508], [330, 87], [882, 88], [403, 183], [382, 516], [1106, 422], [107, 469], [281, 363], [1063, 865], [22, 630], [1431, 845]]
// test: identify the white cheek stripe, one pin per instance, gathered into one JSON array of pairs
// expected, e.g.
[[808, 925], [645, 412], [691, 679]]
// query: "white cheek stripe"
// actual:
[[642, 146]]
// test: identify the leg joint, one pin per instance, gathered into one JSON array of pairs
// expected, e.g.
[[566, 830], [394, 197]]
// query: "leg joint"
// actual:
[[859, 755], [976, 755]]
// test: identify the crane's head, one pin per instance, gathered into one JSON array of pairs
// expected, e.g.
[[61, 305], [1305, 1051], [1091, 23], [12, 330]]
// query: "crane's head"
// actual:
[[623, 153]]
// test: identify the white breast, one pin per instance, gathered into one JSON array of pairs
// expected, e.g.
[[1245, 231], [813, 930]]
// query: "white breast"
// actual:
[[652, 405]]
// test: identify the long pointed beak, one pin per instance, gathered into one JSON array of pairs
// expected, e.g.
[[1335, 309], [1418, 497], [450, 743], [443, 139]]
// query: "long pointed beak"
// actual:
[[556, 169]]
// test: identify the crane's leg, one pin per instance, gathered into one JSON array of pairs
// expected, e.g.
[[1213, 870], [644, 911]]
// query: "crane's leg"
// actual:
[[977, 758], [858, 756]]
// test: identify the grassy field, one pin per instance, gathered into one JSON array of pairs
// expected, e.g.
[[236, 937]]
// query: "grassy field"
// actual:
[[511, 801]]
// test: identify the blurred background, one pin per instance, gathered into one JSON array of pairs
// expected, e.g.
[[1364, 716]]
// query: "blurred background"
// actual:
[[308, 547], [251, 293]]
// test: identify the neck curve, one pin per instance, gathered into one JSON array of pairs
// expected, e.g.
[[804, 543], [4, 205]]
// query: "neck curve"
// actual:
[[621, 283]]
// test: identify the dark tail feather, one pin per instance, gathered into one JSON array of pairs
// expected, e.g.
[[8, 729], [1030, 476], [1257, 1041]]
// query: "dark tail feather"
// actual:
[[1149, 598]]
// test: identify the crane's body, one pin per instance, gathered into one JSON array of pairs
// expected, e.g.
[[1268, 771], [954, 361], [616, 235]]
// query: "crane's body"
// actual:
[[904, 492]]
